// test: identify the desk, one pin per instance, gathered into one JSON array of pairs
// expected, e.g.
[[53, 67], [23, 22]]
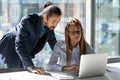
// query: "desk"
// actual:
[[20, 74], [24, 75]]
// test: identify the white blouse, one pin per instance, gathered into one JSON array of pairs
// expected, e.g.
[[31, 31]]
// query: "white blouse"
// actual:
[[58, 57]]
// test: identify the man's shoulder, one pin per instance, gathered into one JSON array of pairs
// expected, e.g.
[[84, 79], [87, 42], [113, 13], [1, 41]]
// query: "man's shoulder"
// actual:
[[31, 16], [32, 19]]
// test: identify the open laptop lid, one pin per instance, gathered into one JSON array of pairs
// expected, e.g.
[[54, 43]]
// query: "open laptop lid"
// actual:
[[92, 65]]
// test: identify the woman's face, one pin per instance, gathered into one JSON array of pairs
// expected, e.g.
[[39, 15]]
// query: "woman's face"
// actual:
[[74, 34]]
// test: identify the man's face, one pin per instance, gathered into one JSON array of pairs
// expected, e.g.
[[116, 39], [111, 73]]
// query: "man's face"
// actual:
[[51, 22]]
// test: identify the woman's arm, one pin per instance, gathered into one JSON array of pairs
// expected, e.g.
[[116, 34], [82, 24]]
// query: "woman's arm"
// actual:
[[53, 62]]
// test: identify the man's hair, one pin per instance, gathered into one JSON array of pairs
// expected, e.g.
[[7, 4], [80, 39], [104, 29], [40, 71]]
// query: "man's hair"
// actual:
[[47, 4], [52, 9]]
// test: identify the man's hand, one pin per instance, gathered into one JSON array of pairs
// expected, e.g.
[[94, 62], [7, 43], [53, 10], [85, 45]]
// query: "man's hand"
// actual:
[[40, 70]]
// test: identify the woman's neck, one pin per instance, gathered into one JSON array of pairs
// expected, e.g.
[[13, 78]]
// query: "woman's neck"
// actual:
[[72, 45]]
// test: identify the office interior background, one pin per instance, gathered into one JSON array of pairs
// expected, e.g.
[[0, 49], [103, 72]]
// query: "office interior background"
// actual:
[[100, 20]]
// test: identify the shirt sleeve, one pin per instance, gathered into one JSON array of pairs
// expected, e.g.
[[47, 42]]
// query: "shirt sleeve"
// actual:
[[52, 65], [51, 38]]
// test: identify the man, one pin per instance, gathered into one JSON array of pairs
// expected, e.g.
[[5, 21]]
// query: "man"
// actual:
[[20, 44]]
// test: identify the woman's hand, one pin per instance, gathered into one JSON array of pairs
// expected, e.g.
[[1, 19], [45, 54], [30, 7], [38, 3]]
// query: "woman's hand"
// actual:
[[74, 67], [40, 70]]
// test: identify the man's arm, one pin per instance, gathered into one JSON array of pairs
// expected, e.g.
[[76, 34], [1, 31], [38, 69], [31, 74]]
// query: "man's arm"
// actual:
[[51, 39], [24, 47]]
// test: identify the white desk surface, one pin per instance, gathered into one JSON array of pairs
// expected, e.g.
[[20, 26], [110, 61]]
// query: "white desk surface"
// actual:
[[24, 75]]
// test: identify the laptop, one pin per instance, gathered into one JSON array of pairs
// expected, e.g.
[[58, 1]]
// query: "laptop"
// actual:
[[92, 65]]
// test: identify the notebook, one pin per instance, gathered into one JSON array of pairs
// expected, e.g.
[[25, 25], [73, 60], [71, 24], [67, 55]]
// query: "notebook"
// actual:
[[92, 65]]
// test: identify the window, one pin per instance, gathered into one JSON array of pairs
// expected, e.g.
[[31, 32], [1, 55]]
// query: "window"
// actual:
[[107, 28]]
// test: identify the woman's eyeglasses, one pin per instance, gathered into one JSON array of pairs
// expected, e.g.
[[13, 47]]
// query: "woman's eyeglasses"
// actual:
[[74, 32]]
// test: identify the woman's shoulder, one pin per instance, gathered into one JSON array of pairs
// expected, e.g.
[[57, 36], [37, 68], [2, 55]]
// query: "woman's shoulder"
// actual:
[[60, 43], [87, 44], [89, 48]]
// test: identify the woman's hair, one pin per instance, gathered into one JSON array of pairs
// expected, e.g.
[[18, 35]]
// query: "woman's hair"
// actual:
[[74, 22]]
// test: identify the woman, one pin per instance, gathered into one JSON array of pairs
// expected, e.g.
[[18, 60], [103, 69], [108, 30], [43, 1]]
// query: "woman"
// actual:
[[66, 54]]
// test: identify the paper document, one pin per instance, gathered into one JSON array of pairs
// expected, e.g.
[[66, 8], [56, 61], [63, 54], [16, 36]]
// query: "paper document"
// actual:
[[114, 67]]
